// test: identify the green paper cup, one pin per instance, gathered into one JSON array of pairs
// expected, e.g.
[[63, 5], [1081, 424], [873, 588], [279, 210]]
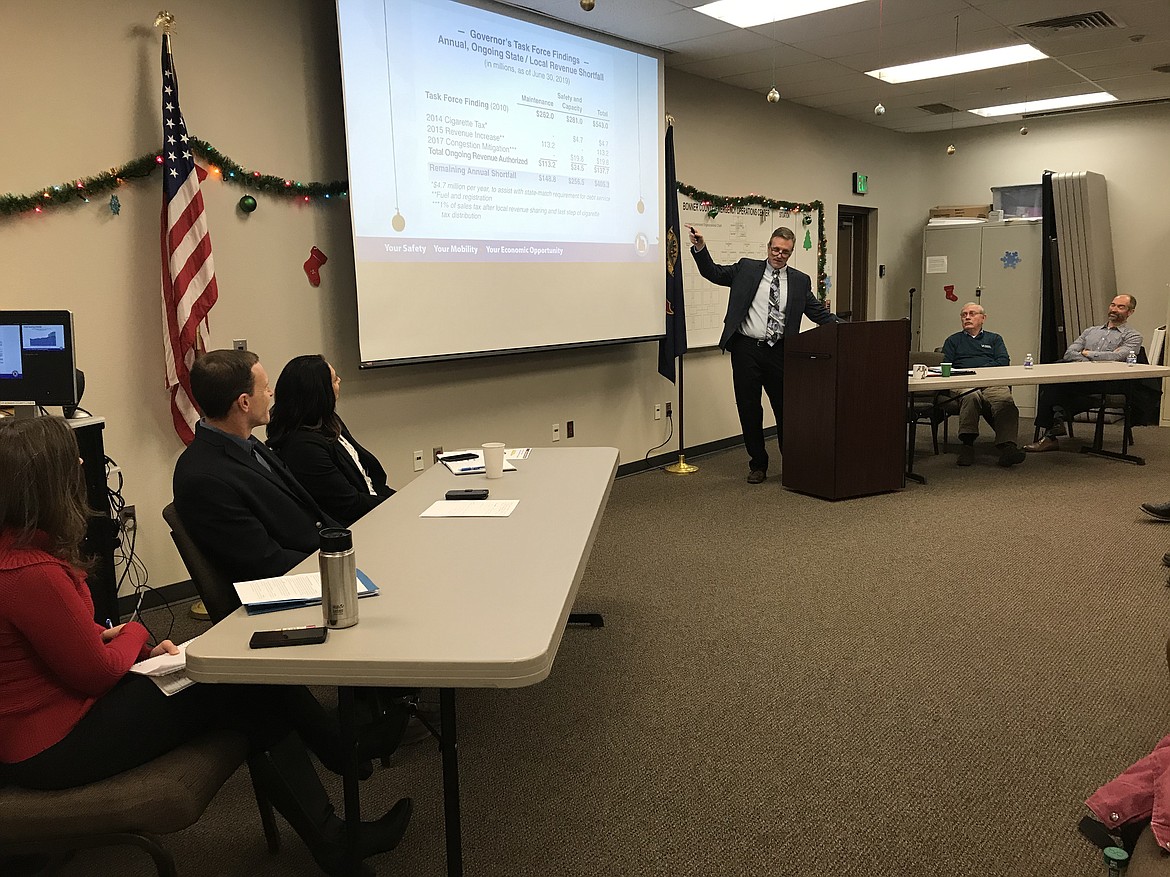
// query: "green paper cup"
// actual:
[[945, 369]]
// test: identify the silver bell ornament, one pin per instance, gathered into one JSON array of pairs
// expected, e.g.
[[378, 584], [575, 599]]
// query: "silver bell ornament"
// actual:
[[773, 96]]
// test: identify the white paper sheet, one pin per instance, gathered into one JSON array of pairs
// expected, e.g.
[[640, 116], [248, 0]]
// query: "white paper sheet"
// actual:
[[470, 508]]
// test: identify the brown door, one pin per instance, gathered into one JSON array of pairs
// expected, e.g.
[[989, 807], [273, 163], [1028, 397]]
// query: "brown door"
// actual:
[[851, 282]]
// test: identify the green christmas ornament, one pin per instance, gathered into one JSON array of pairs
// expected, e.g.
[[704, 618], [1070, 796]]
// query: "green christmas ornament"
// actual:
[[247, 204], [807, 239]]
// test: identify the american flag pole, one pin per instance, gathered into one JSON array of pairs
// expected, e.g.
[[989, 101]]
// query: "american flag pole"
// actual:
[[189, 288]]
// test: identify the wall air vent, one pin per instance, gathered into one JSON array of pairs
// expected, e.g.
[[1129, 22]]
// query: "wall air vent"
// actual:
[[1085, 21], [939, 109]]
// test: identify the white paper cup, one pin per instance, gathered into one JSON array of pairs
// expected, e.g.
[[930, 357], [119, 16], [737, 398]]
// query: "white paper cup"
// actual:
[[493, 459]]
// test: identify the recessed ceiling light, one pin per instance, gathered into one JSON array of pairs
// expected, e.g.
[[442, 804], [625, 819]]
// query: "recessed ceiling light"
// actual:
[[1039, 106], [955, 64], [749, 13]]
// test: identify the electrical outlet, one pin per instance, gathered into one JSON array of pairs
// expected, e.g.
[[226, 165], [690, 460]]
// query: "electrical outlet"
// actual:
[[556, 432], [658, 412], [418, 460], [240, 344], [435, 453], [669, 409], [568, 429], [127, 518]]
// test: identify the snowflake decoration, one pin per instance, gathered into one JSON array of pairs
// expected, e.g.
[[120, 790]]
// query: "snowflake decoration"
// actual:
[[115, 205], [1010, 259]]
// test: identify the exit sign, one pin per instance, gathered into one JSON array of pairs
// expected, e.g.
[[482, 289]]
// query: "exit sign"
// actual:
[[860, 184]]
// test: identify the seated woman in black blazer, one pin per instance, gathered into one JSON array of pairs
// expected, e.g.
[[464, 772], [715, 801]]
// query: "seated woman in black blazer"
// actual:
[[344, 478]]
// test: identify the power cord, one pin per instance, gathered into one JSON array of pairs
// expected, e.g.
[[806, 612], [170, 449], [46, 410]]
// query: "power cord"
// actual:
[[669, 435], [128, 566]]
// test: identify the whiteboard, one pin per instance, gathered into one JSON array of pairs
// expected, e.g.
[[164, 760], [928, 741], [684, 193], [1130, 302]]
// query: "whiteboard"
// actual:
[[735, 233]]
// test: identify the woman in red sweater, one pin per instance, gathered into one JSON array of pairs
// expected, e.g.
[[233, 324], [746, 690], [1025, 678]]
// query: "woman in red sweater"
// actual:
[[71, 714]]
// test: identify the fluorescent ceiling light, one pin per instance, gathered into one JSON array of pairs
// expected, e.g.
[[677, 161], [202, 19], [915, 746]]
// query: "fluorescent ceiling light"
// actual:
[[749, 13], [955, 64], [1039, 106]]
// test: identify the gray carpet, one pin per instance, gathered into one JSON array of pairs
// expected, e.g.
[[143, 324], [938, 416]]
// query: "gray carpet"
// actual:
[[926, 682]]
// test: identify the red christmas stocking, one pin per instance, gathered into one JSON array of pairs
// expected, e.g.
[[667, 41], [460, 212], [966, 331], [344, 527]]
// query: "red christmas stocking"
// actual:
[[949, 290], [313, 265]]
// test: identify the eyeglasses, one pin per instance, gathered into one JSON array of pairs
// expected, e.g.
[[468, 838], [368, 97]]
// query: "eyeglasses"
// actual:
[[780, 251]]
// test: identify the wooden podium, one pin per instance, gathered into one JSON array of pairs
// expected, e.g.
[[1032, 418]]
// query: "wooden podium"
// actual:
[[845, 409]]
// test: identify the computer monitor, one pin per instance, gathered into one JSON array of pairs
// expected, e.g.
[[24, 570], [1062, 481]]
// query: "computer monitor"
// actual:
[[36, 358]]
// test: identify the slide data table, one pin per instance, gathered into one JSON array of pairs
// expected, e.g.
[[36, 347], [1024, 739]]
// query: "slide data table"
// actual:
[[1019, 376], [464, 602]]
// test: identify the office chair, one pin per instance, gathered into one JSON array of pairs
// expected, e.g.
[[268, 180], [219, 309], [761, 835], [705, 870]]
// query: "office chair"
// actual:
[[162, 796], [930, 408], [216, 592]]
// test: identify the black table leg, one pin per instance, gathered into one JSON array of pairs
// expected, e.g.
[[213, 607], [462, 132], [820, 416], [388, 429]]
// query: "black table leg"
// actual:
[[353, 803], [450, 749], [911, 436]]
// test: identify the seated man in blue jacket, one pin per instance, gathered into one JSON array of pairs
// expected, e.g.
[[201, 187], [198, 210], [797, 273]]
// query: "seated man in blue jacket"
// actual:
[[245, 510], [975, 348]]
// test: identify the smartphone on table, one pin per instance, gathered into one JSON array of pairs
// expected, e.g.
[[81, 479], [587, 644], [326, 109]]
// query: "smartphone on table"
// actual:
[[289, 636]]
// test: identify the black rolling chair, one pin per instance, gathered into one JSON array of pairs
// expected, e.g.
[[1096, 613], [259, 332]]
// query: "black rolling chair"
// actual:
[[929, 409], [215, 591]]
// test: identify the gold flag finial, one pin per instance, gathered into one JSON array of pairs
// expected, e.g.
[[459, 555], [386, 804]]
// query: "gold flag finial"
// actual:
[[166, 21]]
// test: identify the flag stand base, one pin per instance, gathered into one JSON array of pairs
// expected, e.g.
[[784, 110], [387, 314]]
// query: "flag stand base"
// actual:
[[682, 467]]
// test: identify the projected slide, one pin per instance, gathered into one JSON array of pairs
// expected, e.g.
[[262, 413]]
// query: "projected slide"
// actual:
[[475, 137], [11, 366]]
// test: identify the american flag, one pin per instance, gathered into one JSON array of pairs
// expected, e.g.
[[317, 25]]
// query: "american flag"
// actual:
[[188, 272]]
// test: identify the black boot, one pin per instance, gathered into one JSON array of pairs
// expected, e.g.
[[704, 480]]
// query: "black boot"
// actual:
[[292, 785], [319, 728]]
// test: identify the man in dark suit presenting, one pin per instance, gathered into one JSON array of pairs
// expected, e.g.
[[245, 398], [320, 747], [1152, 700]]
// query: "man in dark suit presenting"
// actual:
[[241, 504], [766, 303]]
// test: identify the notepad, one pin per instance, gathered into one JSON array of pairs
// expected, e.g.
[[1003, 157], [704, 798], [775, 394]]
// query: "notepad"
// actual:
[[488, 508], [475, 466], [161, 665], [291, 592], [168, 672]]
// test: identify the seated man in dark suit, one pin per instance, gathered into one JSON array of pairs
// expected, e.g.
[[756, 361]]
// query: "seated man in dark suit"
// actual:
[[244, 509]]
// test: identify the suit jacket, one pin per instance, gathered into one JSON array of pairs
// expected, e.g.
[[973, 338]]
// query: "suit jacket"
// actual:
[[327, 471], [744, 279], [249, 522]]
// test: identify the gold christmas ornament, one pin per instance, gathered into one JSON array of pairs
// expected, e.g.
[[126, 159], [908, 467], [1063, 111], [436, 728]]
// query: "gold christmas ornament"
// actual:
[[588, 5], [879, 110], [773, 96], [1024, 130], [951, 149]]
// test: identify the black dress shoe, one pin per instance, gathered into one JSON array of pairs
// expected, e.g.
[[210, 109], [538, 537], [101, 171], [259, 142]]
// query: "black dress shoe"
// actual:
[[1161, 510], [756, 476]]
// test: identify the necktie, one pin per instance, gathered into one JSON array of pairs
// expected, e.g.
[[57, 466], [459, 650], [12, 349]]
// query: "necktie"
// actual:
[[772, 335]]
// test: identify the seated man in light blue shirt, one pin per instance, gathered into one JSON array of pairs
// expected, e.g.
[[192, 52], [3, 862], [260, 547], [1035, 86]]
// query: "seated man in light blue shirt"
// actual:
[[1112, 342]]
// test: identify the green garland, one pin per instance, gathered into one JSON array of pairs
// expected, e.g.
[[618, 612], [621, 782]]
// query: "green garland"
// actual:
[[715, 204], [79, 190]]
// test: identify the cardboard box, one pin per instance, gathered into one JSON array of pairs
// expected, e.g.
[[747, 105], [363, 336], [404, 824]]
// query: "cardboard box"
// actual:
[[966, 211]]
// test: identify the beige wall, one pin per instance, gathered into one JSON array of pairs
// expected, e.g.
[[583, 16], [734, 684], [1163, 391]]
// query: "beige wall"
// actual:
[[260, 81], [1127, 146]]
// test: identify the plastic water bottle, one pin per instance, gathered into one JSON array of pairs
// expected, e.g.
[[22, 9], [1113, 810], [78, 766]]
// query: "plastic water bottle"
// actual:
[[1131, 359], [1028, 361]]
